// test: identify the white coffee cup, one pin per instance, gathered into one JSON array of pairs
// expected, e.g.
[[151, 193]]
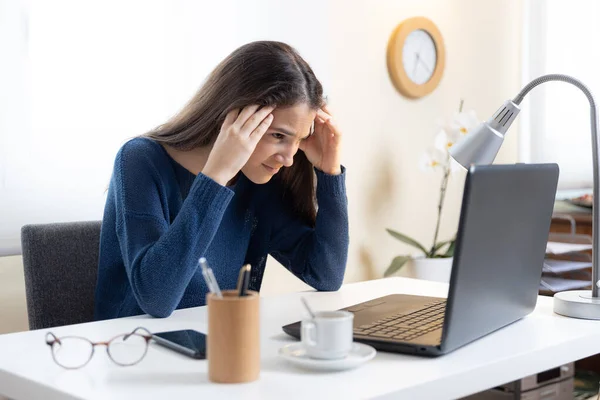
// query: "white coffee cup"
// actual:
[[328, 336]]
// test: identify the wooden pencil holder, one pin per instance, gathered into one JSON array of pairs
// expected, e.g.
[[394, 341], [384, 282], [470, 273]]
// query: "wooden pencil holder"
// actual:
[[233, 343]]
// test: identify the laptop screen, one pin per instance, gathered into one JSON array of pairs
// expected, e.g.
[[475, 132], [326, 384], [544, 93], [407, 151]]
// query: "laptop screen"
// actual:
[[501, 241]]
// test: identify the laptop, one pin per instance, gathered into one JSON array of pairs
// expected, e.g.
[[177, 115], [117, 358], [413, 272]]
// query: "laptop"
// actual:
[[497, 267]]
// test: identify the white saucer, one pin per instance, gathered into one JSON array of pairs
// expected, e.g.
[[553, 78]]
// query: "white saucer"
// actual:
[[296, 354]]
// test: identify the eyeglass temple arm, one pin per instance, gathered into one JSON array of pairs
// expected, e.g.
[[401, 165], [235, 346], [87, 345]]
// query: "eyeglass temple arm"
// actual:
[[51, 339], [148, 335]]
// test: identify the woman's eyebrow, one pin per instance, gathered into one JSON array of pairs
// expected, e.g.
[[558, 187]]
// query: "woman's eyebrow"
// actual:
[[284, 131], [287, 132]]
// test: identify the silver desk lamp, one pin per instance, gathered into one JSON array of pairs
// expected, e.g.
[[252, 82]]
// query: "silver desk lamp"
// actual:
[[481, 147]]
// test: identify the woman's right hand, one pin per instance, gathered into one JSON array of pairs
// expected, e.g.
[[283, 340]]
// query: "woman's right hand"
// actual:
[[236, 142]]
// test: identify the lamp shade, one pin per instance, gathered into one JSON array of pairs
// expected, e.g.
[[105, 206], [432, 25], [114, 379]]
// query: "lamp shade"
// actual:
[[479, 147]]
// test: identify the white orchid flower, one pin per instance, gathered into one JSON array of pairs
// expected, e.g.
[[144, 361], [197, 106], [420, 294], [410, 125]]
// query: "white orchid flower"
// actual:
[[446, 138], [434, 159], [450, 133], [464, 122]]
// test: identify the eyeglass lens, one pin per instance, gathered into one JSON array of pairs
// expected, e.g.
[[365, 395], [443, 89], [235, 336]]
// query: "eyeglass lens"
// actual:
[[72, 352], [128, 349]]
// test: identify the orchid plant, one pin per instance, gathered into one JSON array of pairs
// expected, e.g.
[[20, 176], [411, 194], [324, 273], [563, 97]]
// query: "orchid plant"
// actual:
[[437, 158]]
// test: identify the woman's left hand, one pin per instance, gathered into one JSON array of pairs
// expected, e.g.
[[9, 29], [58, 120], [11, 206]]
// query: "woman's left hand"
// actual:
[[322, 148]]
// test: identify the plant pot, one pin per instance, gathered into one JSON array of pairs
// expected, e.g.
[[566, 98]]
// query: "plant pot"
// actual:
[[430, 269]]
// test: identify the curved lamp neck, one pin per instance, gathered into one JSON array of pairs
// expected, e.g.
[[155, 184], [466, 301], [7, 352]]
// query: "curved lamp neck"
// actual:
[[595, 145]]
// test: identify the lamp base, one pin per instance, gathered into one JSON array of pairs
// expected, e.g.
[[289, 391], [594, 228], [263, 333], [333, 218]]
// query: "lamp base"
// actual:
[[577, 304]]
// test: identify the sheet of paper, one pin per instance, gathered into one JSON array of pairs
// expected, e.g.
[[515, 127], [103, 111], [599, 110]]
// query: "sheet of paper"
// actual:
[[560, 284], [560, 266], [561, 248]]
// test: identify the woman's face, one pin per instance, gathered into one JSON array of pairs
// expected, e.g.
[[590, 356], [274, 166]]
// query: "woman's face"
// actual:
[[280, 143]]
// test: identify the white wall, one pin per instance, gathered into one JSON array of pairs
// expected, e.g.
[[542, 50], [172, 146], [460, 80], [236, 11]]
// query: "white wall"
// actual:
[[345, 41]]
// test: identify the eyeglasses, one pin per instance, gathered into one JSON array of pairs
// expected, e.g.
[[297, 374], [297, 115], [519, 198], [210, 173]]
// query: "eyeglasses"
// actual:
[[72, 352]]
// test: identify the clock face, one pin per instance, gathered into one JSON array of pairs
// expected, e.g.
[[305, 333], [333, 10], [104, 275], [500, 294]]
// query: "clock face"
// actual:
[[419, 56], [416, 57]]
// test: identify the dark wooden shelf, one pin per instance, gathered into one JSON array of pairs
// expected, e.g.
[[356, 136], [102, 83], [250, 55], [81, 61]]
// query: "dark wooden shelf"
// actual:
[[581, 215]]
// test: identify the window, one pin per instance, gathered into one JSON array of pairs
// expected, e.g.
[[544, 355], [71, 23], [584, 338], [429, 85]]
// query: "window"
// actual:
[[561, 37]]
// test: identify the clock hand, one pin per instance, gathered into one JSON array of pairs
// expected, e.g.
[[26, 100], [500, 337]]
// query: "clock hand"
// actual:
[[416, 63], [424, 65], [418, 57]]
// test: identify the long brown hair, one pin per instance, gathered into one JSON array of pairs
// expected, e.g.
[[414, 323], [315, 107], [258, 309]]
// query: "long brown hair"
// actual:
[[264, 73]]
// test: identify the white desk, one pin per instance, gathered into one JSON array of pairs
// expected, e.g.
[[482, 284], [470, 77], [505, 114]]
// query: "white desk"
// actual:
[[540, 341]]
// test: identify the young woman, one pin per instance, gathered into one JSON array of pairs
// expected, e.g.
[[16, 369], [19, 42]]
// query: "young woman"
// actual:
[[224, 180]]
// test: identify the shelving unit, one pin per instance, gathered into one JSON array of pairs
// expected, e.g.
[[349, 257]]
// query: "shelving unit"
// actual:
[[568, 263]]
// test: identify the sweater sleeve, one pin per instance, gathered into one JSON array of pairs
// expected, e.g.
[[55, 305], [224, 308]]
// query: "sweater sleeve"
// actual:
[[316, 255], [161, 257]]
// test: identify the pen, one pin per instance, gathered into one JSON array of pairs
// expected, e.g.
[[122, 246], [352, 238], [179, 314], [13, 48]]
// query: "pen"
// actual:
[[205, 274], [240, 279], [209, 277], [243, 280]]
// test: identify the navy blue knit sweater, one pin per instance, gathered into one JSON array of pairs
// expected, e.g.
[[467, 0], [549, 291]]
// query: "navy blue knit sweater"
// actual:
[[160, 219]]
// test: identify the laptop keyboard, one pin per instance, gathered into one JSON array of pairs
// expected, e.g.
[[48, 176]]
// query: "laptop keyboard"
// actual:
[[403, 326]]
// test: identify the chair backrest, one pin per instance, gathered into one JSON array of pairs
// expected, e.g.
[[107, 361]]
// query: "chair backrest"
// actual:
[[61, 267]]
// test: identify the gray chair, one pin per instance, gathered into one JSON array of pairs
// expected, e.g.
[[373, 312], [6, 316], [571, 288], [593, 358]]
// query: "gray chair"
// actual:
[[61, 267]]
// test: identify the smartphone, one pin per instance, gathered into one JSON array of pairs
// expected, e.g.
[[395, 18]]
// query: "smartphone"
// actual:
[[188, 342]]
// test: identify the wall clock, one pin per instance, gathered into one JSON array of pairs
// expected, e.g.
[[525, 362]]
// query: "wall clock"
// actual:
[[416, 57]]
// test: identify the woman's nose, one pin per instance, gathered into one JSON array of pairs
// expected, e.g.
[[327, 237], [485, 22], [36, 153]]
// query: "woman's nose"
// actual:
[[285, 158]]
